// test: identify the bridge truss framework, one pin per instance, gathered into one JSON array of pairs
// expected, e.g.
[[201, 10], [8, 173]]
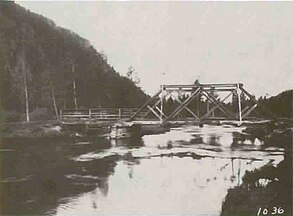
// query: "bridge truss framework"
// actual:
[[155, 104]]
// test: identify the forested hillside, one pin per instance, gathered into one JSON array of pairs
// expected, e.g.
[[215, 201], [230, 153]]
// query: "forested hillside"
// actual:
[[40, 63], [280, 105]]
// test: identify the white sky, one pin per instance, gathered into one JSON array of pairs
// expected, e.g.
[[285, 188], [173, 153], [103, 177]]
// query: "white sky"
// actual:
[[177, 42]]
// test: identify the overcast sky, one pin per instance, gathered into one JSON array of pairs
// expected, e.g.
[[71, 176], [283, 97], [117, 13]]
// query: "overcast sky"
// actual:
[[177, 42]]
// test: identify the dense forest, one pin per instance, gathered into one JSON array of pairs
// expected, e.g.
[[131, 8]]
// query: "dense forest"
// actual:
[[280, 105], [45, 68]]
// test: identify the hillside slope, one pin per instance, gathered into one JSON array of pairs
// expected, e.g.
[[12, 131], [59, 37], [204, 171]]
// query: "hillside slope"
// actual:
[[280, 105], [40, 61]]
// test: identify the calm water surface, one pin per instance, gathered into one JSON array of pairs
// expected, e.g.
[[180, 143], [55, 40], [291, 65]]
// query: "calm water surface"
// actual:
[[185, 171]]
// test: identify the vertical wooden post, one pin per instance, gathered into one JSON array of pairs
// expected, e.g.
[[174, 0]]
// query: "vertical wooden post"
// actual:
[[74, 86], [214, 96], [119, 113], [162, 102], [208, 106], [239, 104], [198, 104], [90, 115], [232, 165], [196, 83], [60, 118], [74, 93]]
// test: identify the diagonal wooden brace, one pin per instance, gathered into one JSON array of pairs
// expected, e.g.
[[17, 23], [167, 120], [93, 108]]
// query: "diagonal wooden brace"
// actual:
[[155, 113], [184, 104], [249, 111], [161, 112], [243, 110], [192, 113], [221, 107], [258, 104], [215, 107], [156, 104], [145, 105]]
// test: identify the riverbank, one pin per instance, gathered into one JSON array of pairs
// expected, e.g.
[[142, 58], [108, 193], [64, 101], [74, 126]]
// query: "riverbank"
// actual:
[[32, 130], [269, 187], [52, 129]]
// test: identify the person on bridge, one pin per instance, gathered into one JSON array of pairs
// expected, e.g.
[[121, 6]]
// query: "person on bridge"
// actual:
[[196, 82]]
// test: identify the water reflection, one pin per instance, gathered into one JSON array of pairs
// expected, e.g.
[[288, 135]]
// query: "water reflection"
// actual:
[[181, 171], [39, 172], [169, 172], [129, 142], [214, 140], [163, 186]]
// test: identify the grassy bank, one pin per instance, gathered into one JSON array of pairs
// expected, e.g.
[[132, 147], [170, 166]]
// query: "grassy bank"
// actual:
[[33, 129], [268, 187]]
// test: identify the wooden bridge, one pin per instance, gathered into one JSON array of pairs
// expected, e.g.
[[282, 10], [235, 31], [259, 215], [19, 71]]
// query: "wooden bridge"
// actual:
[[154, 108], [96, 115]]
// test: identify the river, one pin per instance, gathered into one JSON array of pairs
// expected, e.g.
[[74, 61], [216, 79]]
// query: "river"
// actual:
[[187, 170]]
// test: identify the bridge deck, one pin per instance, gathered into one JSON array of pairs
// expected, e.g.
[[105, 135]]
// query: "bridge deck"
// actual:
[[108, 116]]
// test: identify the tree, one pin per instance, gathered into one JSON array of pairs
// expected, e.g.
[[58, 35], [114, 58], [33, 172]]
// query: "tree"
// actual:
[[133, 76], [24, 71]]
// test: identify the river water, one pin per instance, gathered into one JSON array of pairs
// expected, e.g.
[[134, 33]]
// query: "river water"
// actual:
[[187, 170]]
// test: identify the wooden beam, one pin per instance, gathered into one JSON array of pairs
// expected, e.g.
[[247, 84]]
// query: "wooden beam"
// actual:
[[245, 109], [61, 116], [90, 115], [184, 104], [157, 103], [198, 104], [185, 107], [215, 107], [155, 113], [191, 89], [249, 111], [222, 108], [239, 104], [258, 104], [214, 85], [162, 102], [145, 105], [161, 112]]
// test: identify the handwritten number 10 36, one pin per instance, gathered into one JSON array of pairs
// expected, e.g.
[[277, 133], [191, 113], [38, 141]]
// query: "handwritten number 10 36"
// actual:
[[274, 211]]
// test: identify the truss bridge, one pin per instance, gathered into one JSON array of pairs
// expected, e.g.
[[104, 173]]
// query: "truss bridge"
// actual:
[[196, 102]]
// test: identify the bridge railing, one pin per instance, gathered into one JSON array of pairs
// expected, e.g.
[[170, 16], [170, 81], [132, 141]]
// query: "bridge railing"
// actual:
[[96, 114]]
